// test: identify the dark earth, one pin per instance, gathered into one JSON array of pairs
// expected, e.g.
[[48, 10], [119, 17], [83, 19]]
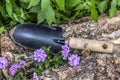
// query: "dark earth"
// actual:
[[93, 65]]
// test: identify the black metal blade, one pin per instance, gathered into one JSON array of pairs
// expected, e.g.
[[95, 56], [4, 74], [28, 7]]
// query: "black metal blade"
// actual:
[[35, 36]]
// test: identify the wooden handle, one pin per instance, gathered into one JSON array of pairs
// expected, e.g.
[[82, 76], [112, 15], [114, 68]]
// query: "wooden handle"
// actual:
[[93, 45]]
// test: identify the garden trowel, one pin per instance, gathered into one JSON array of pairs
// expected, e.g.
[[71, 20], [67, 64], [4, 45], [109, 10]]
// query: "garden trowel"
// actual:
[[35, 36]]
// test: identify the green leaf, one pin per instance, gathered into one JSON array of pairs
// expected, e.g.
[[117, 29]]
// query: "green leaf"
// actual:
[[15, 17], [34, 9], [119, 3], [112, 11], [40, 16], [55, 58], [8, 1], [61, 62], [45, 4], [72, 17], [71, 3], [1, 8], [102, 7], [33, 3], [79, 7], [92, 4], [50, 15], [47, 64], [56, 65], [9, 8], [22, 16], [2, 29], [94, 14], [25, 1], [41, 66], [114, 3], [61, 4], [36, 70]]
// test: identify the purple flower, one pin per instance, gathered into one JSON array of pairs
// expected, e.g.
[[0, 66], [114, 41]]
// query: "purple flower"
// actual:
[[21, 64], [40, 55], [3, 62], [13, 69], [74, 60], [35, 76], [65, 51]]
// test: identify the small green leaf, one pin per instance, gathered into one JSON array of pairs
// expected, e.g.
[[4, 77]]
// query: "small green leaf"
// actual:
[[71, 3], [50, 15], [1, 8], [47, 64], [41, 66], [112, 11], [119, 3], [56, 57], [114, 3], [8, 1], [2, 29], [34, 9], [61, 4], [26, 1], [56, 65], [75, 14], [33, 3], [40, 16], [15, 17], [45, 4], [102, 7], [79, 7], [9, 8], [36, 70], [23, 16], [94, 14], [92, 4], [61, 62]]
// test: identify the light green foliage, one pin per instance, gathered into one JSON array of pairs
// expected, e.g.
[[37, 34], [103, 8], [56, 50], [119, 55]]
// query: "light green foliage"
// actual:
[[71, 3], [94, 12], [2, 29], [47, 11], [102, 6], [112, 11], [118, 3], [45, 4], [61, 4], [50, 15], [26, 1], [53, 11], [35, 9], [9, 8], [33, 3], [113, 8], [40, 16]]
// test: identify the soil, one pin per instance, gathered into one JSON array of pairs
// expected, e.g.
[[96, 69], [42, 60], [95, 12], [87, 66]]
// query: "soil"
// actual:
[[93, 65]]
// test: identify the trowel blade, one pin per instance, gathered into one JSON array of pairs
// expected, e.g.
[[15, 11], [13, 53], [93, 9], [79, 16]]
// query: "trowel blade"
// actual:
[[35, 36]]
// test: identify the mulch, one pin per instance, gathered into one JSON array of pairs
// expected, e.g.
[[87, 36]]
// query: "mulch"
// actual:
[[93, 65]]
